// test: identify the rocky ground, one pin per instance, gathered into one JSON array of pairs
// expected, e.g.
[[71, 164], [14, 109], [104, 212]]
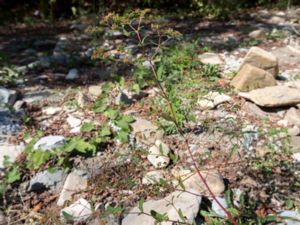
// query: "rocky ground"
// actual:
[[63, 167]]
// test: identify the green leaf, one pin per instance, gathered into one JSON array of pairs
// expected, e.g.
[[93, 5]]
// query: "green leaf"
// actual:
[[114, 210], [160, 72], [105, 131], [180, 182], [141, 204], [67, 216], [101, 105], [111, 114], [87, 127], [84, 147], [289, 204], [122, 136], [40, 157], [13, 175], [159, 217], [181, 215], [107, 86]]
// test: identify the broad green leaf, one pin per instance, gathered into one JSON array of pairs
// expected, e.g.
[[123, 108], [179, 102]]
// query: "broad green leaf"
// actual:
[[111, 114], [159, 217], [13, 175], [105, 131], [114, 210], [141, 204], [122, 136], [40, 157], [67, 216], [87, 127]]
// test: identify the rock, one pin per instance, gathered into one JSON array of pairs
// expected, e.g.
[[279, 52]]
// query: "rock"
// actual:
[[153, 177], [217, 209], [262, 59], [187, 202], [75, 182], [51, 110], [258, 34], [273, 96], [213, 99], [254, 110], [82, 99], [95, 90], [283, 123], [47, 180], [250, 77], [192, 180], [36, 96], [9, 123], [73, 121], [146, 132], [210, 58], [296, 157], [158, 154], [293, 116], [250, 135], [294, 131], [78, 26], [276, 20], [3, 220], [10, 151], [49, 142], [80, 211], [262, 151], [295, 144], [7, 97], [72, 74], [294, 217], [146, 64], [124, 97]]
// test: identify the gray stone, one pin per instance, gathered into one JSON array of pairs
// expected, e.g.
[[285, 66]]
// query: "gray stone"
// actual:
[[258, 34], [72, 74], [75, 182], [250, 135], [216, 207], [294, 217], [152, 177], [36, 96], [51, 110], [49, 142], [73, 121], [47, 180], [213, 99], [9, 123], [294, 131], [80, 211], [274, 96], [188, 203], [95, 90], [7, 97]]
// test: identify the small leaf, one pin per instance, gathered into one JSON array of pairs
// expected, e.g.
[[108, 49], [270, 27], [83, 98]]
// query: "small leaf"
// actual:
[[87, 127], [159, 217], [114, 210], [111, 114], [105, 131], [122, 136], [182, 217], [67, 216], [141, 204], [13, 175]]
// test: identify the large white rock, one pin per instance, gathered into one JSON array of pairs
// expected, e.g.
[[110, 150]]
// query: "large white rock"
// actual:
[[158, 154], [273, 96], [262, 59], [210, 58], [191, 180], [79, 211], [49, 142], [188, 203], [216, 207], [293, 116], [75, 182]]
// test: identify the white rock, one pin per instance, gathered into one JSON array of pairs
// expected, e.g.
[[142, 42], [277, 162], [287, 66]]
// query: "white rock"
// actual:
[[51, 110], [213, 99], [294, 131], [186, 202], [191, 180], [217, 209], [75, 130], [210, 58], [158, 154], [296, 157], [273, 96], [75, 182], [49, 142], [79, 211], [145, 131], [73, 121], [10, 151], [283, 123], [153, 177], [72, 74], [258, 34], [293, 116], [294, 217], [82, 99], [95, 90]]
